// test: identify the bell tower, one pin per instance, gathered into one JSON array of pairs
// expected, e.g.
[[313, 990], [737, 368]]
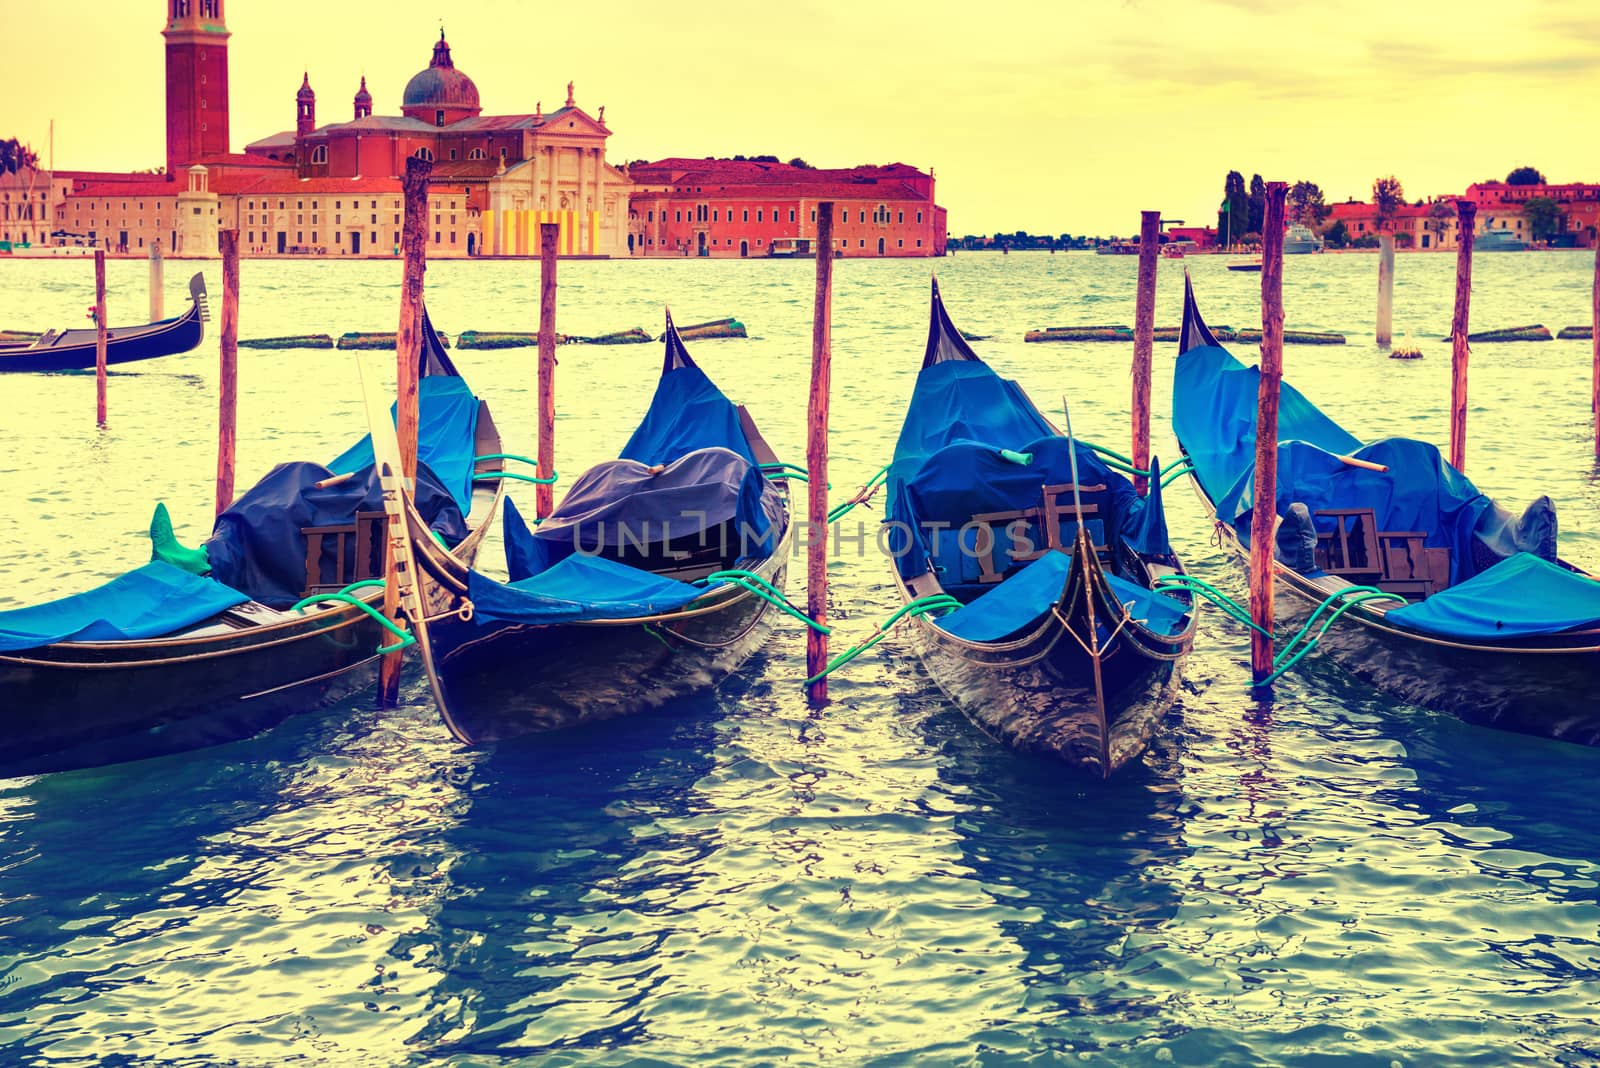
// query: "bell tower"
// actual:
[[197, 82]]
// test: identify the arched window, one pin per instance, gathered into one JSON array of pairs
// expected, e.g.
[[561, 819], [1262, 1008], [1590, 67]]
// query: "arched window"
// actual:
[[319, 154], [476, 153], [424, 153]]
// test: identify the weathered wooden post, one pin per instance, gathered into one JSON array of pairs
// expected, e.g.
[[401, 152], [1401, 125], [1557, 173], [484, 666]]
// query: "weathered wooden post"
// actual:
[[158, 301], [1144, 325], [100, 337], [1594, 334], [549, 235], [817, 456], [1385, 289], [1264, 511], [1467, 212], [408, 350], [228, 392]]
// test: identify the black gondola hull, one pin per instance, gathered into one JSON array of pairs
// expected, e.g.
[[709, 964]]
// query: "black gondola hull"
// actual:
[[83, 705], [75, 351], [513, 679]]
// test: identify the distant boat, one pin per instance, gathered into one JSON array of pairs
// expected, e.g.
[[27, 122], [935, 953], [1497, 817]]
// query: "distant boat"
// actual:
[[1498, 241], [1246, 265], [1119, 248], [1299, 240], [74, 350]]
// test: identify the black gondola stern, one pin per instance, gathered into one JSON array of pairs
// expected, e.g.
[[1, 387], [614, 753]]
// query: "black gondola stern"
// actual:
[[1195, 334], [431, 356], [944, 340], [676, 355]]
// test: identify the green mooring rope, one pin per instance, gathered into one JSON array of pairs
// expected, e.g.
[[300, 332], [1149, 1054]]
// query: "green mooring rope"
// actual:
[[347, 596], [490, 476], [862, 495], [933, 602], [754, 583]]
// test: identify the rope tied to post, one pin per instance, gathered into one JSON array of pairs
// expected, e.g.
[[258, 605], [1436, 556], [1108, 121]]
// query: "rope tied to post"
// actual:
[[347, 596]]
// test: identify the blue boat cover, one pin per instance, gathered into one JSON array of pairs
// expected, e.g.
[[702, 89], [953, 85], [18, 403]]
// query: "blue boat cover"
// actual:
[[1214, 414], [257, 545], [578, 588], [147, 602], [446, 435], [687, 471], [1520, 597], [1028, 594], [956, 458]]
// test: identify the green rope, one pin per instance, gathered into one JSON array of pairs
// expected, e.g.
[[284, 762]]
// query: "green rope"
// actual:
[[779, 470], [1353, 596], [1169, 474], [495, 476], [933, 602], [347, 596], [754, 583], [1191, 585], [506, 456], [1168, 479]]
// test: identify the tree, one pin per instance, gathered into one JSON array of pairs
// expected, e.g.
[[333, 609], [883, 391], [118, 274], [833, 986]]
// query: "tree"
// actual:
[[1233, 218], [1388, 195], [802, 164], [1440, 218], [16, 156], [1258, 204], [1525, 176], [1338, 235], [1544, 218], [1306, 205]]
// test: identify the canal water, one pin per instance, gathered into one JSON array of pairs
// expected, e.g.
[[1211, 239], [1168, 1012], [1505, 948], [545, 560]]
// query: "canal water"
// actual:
[[1335, 879]]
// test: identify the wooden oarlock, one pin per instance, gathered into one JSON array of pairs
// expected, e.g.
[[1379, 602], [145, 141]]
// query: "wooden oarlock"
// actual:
[[817, 457], [1264, 509]]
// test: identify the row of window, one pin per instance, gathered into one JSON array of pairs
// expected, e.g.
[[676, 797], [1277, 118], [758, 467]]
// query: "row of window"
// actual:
[[338, 205], [338, 237], [698, 214], [840, 242]]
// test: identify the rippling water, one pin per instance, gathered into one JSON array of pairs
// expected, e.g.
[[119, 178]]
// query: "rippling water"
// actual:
[[1335, 878]]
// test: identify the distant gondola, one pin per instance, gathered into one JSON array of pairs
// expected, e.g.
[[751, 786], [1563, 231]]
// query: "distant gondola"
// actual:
[[655, 577], [74, 350], [1043, 559], [1482, 620], [205, 646]]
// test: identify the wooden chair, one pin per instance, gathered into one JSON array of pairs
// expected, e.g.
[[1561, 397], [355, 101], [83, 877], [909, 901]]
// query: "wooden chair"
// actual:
[[1057, 505], [1410, 568], [1351, 548], [367, 533]]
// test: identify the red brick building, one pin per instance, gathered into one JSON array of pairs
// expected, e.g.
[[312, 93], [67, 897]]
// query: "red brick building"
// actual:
[[744, 208]]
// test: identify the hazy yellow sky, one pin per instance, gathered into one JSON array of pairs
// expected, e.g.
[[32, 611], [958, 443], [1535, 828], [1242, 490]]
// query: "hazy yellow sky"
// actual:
[[1050, 117]]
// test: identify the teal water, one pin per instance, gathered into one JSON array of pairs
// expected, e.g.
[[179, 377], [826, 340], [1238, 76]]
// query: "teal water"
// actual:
[[1334, 879]]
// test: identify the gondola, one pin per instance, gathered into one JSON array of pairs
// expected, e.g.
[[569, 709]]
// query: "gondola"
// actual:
[[74, 350], [1029, 564], [655, 577], [1443, 597], [202, 646]]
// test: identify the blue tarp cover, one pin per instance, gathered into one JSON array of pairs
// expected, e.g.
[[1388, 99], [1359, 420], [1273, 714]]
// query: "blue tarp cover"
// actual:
[[688, 412], [147, 602], [1522, 596], [1028, 594], [948, 467], [578, 588], [446, 432]]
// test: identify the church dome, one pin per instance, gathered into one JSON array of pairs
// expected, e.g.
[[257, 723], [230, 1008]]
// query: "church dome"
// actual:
[[441, 85]]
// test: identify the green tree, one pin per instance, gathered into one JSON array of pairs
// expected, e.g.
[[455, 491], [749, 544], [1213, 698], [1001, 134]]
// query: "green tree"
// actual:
[[1440, 218], [1544, 218], [1306, 204], [1258, 204], [802, 164], [1338, 235], [16, 156], [1233, 218], [1388, 195], [1525, 176]]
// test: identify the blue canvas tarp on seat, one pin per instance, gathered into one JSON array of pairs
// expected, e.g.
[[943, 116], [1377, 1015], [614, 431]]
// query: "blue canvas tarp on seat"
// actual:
[[1028, 594], [578, 588], [446, 434], [147, 602], [1520, 597]]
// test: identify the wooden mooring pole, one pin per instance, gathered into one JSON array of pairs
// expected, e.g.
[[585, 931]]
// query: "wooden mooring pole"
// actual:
[[549, 235], [1144, 326], [408, 351], [1467, 212], [1264, 511], [100, 337], [158, 301], [1385, 289], [228, 376], [1594, 333], [817, 456]]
